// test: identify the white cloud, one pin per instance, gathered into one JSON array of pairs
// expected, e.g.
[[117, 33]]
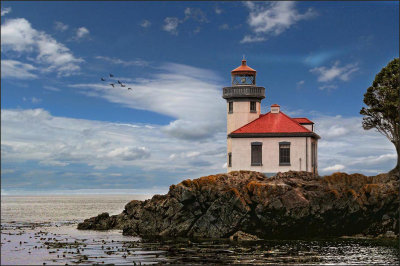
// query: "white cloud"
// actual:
[[272, 18], [171, 25], [81, 33], [184, 155], [16, 69], [344, 142], [192, 154], [118, 61], [129, 154], [187, 12], [18, 36], [300, 83], [188, 94], [5, 10], [375, 160], [33, 100], [249, 39], [326, 74], [333, 168], [196, 14], [60, 26], [218, 10], [224, 27], [53, 163], [36, 135], [51, 88], [145, 23], [327, 87]]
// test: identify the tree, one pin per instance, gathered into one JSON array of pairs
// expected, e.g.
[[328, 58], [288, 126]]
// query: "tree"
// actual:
[[383, 105]]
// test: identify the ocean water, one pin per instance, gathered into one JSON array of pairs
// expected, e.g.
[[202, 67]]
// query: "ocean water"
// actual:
[[42, 229], [44, 209]]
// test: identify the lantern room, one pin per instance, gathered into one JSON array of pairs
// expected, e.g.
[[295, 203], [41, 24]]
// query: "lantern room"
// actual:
[[243, 75]]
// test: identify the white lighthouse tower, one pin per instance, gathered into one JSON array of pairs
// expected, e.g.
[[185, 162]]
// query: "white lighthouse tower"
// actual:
[[243, 101]]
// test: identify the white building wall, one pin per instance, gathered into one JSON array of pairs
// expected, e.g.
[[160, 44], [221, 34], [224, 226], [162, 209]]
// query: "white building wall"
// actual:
[[241, 115], [308, 126], [300, 154]]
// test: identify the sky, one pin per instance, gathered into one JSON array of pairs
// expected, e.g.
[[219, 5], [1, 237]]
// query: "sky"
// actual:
[[64, 130]]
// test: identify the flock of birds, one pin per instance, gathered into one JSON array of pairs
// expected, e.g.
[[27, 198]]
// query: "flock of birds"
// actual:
[[113, 84]]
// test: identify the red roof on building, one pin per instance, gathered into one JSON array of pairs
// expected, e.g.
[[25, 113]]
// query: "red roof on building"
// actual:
[[275, 105], [243, 68], [272, 123], [303, 120]]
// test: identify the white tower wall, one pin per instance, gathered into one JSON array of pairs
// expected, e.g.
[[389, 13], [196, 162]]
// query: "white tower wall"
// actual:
[[241, 114]]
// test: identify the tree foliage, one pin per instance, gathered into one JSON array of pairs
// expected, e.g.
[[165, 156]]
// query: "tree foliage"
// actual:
[[383, 104]]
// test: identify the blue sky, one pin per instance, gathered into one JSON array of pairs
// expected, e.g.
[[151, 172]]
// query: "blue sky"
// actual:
[[64, 129]]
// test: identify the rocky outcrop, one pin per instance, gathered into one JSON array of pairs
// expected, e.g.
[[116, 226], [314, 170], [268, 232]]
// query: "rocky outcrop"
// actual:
[[242, 236], [288, 205]]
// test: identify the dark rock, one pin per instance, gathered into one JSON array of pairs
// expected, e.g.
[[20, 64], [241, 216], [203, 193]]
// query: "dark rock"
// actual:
[[241, 236], [288, 205], [101, 222]]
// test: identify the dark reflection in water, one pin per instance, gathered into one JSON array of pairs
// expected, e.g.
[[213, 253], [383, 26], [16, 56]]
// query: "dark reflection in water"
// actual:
[[64, 244], [279, 252]]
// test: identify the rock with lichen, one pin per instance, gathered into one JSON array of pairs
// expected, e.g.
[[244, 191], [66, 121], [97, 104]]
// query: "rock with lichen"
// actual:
[[241, 236], [288, 205]]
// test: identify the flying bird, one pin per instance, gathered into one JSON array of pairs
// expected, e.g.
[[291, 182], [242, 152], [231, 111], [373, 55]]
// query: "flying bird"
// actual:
[[129, 88], [112, 85], [122, 85], [119, 82], [111, 75], [103, 79]]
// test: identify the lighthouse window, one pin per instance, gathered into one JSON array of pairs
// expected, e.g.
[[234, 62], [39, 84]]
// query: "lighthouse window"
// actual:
[[284, 153], [230, 104], [253, 107], [256, 153], [230, 159]]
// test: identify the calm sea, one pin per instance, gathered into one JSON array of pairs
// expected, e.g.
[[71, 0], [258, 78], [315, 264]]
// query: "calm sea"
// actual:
[[43, 209], [42, 229]]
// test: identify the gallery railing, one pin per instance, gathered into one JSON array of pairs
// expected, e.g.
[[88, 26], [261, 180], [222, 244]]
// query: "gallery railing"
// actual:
[[243, 92]]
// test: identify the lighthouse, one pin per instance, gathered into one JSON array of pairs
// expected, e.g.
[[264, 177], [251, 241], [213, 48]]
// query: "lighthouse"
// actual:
[[243, 97], [267, 143], [243, 100]]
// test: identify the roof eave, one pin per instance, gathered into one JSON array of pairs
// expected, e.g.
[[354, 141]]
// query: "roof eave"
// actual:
[[274, 135]]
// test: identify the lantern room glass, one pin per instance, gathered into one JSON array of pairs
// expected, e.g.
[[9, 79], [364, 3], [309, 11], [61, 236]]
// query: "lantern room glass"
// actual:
[[243, 79]]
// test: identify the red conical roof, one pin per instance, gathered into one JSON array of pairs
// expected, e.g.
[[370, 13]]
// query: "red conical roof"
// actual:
[[243, 69]]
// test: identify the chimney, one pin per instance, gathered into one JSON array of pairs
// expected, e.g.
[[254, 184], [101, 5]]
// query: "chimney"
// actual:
[[275, 109]]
